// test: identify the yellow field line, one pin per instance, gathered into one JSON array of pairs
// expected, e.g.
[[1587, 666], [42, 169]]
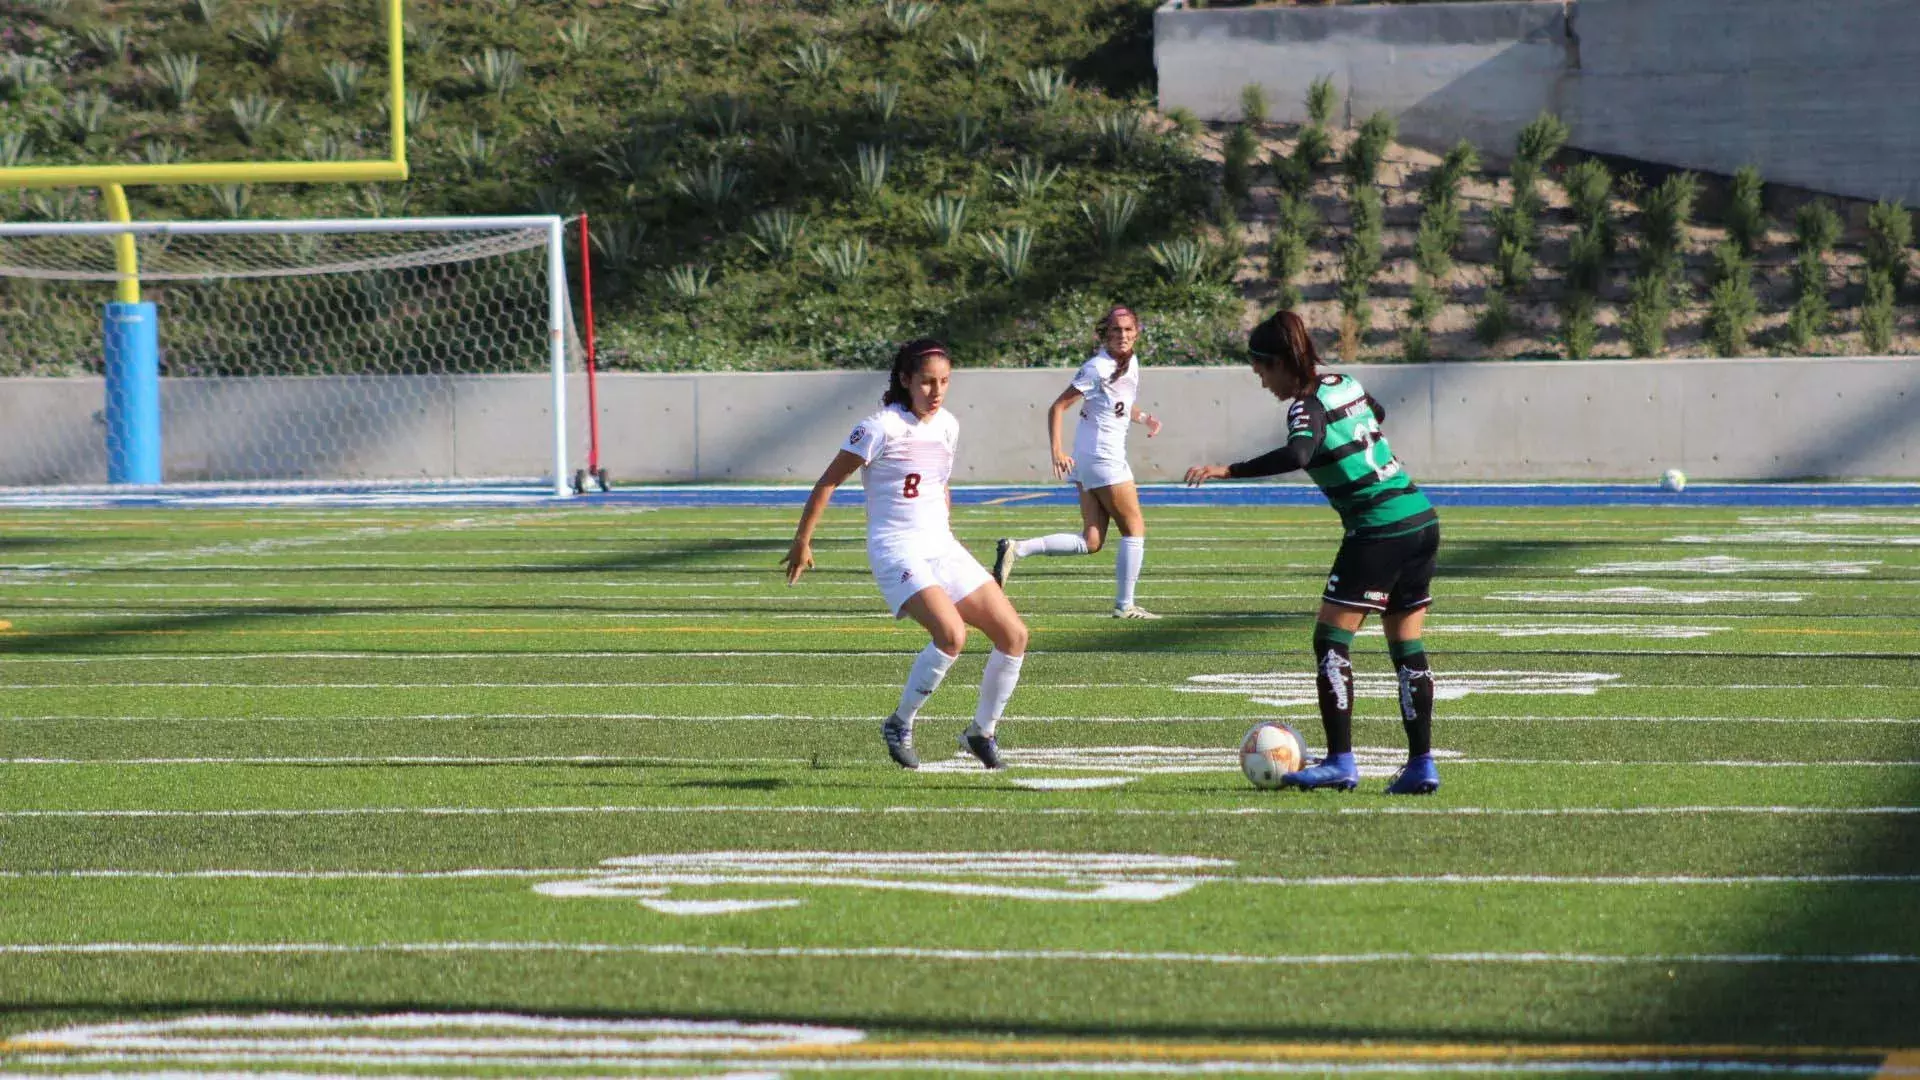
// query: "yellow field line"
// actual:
[[1899, 1063], [1378, 1052]]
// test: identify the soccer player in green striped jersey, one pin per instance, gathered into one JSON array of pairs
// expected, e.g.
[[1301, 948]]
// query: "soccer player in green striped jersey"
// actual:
[[1385, 562]]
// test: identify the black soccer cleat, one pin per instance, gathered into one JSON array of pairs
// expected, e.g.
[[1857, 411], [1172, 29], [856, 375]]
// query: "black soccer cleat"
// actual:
[[898, 734], [1004, 556], [984, 747]]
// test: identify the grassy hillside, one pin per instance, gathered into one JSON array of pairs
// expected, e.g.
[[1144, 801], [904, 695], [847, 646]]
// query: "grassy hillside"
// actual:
[[771, 185]]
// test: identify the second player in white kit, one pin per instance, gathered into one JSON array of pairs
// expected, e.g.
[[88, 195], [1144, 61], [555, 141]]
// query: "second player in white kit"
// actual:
[[905, 453], [1108, 390]]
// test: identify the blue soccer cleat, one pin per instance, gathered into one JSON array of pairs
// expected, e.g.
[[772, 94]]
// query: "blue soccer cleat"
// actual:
[[899, 736], [1417, 777], [1336, 771], [984, 747]]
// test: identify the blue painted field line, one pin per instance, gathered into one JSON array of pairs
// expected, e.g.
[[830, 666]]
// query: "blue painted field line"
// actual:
[[1821, 496]]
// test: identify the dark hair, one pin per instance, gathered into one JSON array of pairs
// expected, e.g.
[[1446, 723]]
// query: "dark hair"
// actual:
[[1106, 321], [906, 364], [1282, 342]]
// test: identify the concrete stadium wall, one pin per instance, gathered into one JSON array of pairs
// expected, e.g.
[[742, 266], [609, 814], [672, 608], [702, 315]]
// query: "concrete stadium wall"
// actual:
[[1513, 420], [1817, 95]]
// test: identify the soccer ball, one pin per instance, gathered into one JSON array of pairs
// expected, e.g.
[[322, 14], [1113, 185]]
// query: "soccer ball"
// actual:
[[1673, 480], [1270, 749]]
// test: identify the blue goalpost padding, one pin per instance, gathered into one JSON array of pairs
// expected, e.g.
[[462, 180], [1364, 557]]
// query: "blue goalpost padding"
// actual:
[[132, 345]]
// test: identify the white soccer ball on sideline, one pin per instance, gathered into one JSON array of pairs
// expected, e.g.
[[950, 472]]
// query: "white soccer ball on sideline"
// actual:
[[1270, 749], [1673, 480]]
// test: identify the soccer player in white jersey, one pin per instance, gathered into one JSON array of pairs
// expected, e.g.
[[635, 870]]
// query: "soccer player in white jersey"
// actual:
[[1108, 390], [906, 453]]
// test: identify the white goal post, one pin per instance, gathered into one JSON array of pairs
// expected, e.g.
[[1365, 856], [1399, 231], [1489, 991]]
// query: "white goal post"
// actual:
[[285, 352]]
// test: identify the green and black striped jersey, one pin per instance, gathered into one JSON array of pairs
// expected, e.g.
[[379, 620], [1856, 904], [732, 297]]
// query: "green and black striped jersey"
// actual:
[[1334, 434]]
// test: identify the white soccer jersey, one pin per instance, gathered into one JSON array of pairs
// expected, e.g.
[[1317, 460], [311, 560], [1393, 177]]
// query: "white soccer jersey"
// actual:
[[909, 461], [1105, 409]]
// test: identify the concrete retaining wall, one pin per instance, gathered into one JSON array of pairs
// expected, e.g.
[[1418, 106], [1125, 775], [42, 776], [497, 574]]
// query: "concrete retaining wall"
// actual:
[[1601, 420], [1817, 95]]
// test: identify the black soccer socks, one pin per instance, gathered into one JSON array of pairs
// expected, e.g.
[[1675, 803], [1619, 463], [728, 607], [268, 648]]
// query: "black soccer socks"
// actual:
[[1416, 694], [1333, 676]]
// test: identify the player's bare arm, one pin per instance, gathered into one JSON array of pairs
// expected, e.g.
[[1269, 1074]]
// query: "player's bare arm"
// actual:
[[799, 557], [1062, 461]]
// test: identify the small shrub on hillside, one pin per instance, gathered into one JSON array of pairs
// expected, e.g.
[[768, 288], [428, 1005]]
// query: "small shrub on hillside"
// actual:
[[1320, 99], [1577, 330], [1495, 321], [1731, 308], [1816, 227], [1253, 104], [1663, 220], [1540, 140], [1369, 149], [1416, 345], [1649, 310], [1236, 175], [1808, 320], [1889, 235], [1746, 210], [1876, 314]]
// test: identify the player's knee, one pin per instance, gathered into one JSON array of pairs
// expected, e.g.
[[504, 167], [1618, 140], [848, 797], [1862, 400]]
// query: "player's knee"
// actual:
[[1096, 539], [1013, 637], [950, 639]]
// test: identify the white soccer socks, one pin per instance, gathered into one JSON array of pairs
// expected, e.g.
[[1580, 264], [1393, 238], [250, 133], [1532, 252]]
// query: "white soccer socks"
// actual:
[[1126, 569], [1051, 544], [928, 669], [996, 687]]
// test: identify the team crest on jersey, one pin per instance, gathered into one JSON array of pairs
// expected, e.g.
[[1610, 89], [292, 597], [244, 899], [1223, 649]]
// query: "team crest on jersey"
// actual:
[[906, 575], [858, 434]]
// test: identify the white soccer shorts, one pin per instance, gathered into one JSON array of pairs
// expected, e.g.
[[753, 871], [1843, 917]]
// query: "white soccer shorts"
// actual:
[[1101, 472], [903, 572]]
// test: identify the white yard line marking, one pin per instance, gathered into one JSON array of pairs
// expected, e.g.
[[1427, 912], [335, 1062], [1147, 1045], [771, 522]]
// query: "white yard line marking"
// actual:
[[1311, 881], [168, 948], [1005, 811], [1454, 718], [1639, 594], [1735, 564]]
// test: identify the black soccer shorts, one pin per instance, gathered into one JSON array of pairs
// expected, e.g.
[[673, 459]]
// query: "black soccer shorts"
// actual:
[[1394, 574]]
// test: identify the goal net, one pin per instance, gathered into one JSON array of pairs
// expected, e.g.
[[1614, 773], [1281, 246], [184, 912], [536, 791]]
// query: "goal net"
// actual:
[[422, 350]]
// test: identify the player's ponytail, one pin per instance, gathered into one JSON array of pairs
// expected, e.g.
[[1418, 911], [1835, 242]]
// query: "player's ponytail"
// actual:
[[1283, 342], [906, 364], [1100, 330]]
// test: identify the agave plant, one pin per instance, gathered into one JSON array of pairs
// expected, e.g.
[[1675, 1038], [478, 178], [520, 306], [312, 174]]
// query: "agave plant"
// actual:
[[83, 114], [577, 37], [208, 10], [813, 61], [906, 16], [476, 153], [688, 281], [945, 216], [776, 233], [794, 146], [325, 147], [494, 71], [162, 152], [1111, 218], [232, 199], [379, 200], [266, 32], [1010, 251], [16, 148], [869, 167], [111, 42], [1042, 87], [844, 262], [176, 75], [560, 200], [418, 103], [728, 114], [1118, 132], [343, 80], [1183, 262], [631, 158], [970, 54], [65, 204], [967, 132], [1029, 178], [619, 242], [253, 115], [23, 74], [883, 100], [712, 184]]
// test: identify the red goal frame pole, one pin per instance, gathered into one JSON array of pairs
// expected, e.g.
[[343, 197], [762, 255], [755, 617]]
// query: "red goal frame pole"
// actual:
[[593, 405]]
